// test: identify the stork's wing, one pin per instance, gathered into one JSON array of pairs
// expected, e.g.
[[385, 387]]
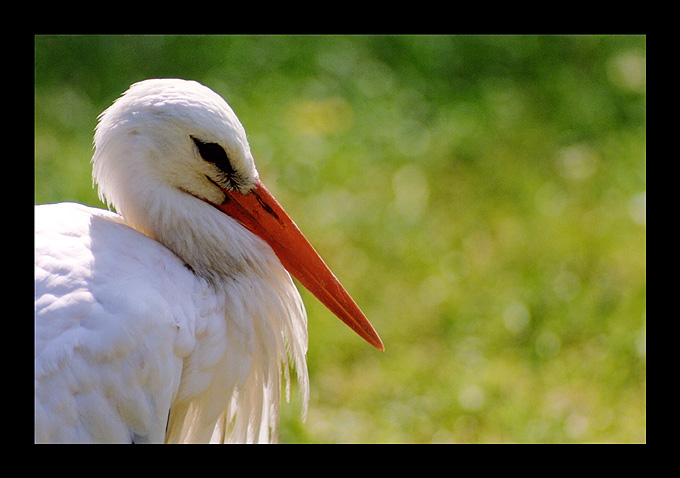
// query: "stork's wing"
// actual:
[[108, 342]]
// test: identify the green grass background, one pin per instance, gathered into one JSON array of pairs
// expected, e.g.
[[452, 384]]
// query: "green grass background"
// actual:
[[483, 198]]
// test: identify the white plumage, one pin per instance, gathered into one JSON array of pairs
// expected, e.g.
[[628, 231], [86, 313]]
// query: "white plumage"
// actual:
[[175, 320]]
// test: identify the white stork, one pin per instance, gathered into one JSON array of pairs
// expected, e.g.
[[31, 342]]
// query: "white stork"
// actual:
[[175, 320]]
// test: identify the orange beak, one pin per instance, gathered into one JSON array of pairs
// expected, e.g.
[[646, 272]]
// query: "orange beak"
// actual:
[[262, 215]]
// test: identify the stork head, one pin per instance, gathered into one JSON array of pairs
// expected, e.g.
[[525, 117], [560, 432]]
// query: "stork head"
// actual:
[[188, 136], [165, 137]]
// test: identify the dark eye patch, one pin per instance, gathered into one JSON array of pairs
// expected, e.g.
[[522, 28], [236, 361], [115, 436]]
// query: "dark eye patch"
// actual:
[[214, 153]]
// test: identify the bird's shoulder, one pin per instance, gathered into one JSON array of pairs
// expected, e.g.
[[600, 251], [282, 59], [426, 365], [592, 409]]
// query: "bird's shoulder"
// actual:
[[89, 265], [113, 322]]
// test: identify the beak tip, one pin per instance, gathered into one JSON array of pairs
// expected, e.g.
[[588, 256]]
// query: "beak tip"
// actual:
[[372, 338], [377, 343]]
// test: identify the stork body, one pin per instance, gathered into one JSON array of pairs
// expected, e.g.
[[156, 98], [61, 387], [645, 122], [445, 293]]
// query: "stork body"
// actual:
[[175, 320]]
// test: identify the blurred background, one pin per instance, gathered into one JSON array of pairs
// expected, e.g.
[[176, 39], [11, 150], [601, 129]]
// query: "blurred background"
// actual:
[[483, 199]]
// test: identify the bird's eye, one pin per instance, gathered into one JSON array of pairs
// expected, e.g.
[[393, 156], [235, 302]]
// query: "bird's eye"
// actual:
[[214, 153]]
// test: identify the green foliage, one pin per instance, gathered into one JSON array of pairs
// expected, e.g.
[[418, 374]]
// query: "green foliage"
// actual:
[[482, 198]]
